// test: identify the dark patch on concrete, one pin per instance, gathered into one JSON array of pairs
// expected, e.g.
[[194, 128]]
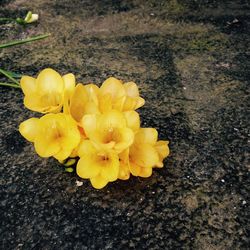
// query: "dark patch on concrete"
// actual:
[[14, 143], [90, 8]]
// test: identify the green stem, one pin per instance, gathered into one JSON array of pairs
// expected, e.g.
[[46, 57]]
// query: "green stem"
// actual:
[[30, 39], [7, 19], [9, 76], [9, 85]]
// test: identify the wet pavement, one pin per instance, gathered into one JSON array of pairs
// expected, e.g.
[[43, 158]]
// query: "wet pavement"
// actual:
[[191, 62]]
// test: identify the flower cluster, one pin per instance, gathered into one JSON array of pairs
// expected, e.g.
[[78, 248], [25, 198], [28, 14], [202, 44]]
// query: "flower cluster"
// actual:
[[98, 125]]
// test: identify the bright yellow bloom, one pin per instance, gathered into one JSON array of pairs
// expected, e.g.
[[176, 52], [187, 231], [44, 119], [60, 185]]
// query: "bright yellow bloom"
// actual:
[[99, 166], [53, 135], [146, 152], [108, 131], [100, 125], [84, 100], [46, 93], [114, 94]]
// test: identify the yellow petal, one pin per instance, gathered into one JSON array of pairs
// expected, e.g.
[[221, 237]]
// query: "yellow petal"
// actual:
[[110, 169], [129, 104], [45, 147], [145, 172], [50, 81], [134, 169], [69, 84], [91, 108], [131, 89], [87, 168], [146, 135], [133, 100], [29, 129], [63, 154], [162, 148], [89, 124], [124, 172], [140, 102], [114, 87], [105, 103], [66, 100], [159, 164], [118, 103], [112, 119], [72, 134], [124, 156], [74, 153], [33, 103], [125, 139], [28, 85], [93, 93], [86, 148], [78, 101], [133, 120], [98, 182], [144, 155], [43, 104]]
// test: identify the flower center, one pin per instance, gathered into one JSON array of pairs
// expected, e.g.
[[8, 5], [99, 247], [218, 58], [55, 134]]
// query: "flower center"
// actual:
[[112, 134], [51, 99], [103, 158]]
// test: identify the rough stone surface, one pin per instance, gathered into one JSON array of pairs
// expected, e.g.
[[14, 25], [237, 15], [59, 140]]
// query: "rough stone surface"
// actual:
[[191, 62]]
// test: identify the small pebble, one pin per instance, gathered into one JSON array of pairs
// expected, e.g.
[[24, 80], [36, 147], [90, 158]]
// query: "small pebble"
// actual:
[[222, 180], [79, 183], [244, 202]]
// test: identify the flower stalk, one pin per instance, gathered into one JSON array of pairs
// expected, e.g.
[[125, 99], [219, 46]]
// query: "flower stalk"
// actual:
[[27, 40]]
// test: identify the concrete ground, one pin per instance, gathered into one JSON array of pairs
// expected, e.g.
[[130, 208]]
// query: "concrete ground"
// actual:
[[190, 59]]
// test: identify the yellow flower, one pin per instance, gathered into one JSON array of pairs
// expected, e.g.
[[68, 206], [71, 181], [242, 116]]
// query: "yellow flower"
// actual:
[[99, 166], [146, 152], [53, 135], [100, 125], [46, 93], [108, 130], [84, 100], [114, 94]]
